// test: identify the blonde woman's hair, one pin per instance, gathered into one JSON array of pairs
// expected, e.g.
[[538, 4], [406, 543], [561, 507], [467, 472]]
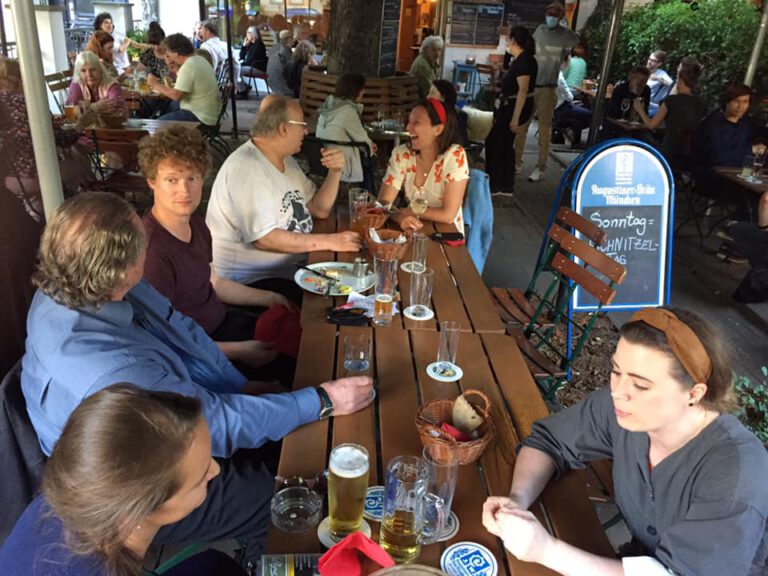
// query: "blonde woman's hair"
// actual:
[[88, 57], [10, 74]]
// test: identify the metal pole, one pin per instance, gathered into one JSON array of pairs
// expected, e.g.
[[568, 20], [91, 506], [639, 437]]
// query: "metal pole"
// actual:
[[203, 10], [753, 60], [285, 9], [40, 125], [3, 39], [231, 64], [613, 36]]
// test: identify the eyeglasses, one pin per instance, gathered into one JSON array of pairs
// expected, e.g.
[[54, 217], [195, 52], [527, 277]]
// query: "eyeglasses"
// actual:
[[319, 483], [653, 60], [297, 123]]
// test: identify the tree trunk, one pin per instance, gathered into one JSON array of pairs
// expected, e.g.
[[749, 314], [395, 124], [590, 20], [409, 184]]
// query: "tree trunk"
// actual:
[[354, 37]]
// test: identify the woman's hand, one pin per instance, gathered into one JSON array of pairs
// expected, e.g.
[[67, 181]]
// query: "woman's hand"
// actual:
[[104, 106], [514, 126], [492, 506], [523, 534], [411, 223]]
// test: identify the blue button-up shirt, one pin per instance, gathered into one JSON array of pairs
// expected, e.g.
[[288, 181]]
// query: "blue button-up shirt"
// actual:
[[142, 340]]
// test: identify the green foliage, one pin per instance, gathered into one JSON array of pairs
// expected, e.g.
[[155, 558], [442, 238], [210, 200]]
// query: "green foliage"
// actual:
[[720, 34], [753, 405], [138, 36]]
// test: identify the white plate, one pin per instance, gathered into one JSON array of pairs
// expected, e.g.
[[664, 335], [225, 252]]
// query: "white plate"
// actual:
[[317, 284], [444, 372]]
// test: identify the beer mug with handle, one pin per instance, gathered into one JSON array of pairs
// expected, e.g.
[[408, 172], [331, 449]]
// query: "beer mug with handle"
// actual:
[[404, 504]]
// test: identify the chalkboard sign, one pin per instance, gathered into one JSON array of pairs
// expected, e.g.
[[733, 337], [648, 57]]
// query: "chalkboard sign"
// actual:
[[626, 190], [528, 13], [390, 27], [476, 23]]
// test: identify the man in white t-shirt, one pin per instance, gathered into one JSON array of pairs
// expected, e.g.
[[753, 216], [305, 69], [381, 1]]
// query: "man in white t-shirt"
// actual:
[[195, 90], [209, 33], [262, 205]]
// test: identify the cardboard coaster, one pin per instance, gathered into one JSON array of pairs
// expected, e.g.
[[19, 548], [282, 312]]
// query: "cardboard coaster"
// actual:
[[374, 503], [451, 528], [409, 267], [324, 532], [408, 313], [444, 372], [468, 559]]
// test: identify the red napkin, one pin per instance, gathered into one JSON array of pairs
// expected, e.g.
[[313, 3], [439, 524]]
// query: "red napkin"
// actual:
[[455, 243], [349, 556], [280, 326]]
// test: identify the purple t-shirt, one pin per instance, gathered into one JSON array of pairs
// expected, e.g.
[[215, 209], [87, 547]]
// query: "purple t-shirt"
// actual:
[[181, 271]]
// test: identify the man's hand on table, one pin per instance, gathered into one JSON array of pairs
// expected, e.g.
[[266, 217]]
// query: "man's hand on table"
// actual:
[[349, 394], [332, 158], [347, 241]]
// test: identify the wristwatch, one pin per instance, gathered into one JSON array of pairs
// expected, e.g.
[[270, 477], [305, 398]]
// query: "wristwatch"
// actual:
[[326, 405]]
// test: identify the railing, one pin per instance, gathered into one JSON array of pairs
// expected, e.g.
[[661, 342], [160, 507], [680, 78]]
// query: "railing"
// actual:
[[76, 38], [10, 50]]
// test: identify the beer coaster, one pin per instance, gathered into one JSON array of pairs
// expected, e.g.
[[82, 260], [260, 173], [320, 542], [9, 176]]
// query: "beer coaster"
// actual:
[[408, 313], [444, 372], [324, 532], [374, 503], [408, 267], [451, 528], [468, 559]]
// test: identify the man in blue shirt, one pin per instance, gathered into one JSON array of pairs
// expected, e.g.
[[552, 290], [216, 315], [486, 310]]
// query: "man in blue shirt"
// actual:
[[94, 322]]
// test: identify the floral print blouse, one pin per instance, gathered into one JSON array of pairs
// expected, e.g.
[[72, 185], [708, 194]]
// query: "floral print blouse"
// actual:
[[448, 167]]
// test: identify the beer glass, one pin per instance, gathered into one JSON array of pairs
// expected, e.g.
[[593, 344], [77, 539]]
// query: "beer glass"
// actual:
[[357, 355], [419, 255], [347, 486], [449, 342], [358, 203], [71, 113], [441, 486], [386, 277], [421, 295], [403, 517]]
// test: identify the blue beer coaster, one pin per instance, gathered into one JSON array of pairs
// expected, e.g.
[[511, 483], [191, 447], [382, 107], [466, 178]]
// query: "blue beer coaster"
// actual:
[[468, 559], [444, 372], [374, 503], [324, 532], [451, 528]]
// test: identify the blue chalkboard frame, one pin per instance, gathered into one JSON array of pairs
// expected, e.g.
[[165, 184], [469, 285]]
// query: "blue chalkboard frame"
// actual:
[[569, 182]]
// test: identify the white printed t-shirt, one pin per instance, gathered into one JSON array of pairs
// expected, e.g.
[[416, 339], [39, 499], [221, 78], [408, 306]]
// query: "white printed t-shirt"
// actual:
[[448, 167], [251, 198]]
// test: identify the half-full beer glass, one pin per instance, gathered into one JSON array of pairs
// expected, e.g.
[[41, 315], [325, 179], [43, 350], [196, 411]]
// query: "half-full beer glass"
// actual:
[[401, 526], [347, 485]]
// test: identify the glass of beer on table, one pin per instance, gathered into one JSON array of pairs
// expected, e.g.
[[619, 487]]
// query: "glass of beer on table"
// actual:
[[386, 278], [403, 520], [71, 112], [359, 201], [347, 486]]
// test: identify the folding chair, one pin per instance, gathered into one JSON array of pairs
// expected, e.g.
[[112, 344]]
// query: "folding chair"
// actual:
[[123, 145], [313, 145], [533, 317], [58, 83], [213, 133]]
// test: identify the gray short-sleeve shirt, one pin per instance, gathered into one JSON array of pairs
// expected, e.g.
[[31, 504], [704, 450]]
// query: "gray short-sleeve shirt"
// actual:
[[700, 512]]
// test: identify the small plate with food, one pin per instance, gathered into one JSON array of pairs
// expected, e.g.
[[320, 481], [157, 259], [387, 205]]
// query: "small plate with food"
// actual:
[[332, 279]]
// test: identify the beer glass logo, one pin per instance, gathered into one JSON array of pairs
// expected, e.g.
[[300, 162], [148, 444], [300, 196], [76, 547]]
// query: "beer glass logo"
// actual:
[[625, 165], [469, 559]]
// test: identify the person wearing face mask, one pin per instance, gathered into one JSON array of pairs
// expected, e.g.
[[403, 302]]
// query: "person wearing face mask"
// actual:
[[552, 41], [512, 111], [689, 477]]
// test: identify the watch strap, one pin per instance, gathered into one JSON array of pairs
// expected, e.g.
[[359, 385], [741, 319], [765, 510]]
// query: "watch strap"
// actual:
[[326, 404]]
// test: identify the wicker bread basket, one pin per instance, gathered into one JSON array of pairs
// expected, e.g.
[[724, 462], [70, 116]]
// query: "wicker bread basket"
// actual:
[[388, 251], [374, 218], [440, 443]]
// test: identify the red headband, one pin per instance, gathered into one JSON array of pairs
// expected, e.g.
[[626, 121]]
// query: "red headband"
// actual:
[[438, 107]]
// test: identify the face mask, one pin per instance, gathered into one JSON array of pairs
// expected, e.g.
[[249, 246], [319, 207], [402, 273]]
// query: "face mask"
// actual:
[[552, 21]]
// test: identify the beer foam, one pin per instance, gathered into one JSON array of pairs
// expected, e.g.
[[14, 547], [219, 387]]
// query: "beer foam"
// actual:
[[348, 462]]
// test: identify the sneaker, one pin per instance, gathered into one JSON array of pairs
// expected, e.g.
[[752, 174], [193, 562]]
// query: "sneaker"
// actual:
[[536, 175], [724, 234]]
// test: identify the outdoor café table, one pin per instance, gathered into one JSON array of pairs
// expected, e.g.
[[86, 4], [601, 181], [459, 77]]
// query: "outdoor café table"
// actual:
[[491, 363], [458, 292], [757, 186], [378, 133], [629, 126], [154, 126]]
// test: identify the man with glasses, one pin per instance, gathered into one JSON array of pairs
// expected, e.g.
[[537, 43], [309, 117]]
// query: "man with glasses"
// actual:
[[659, 82], [262, 204]]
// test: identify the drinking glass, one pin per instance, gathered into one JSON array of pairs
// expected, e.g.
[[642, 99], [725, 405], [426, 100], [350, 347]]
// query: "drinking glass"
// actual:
[[757, 164], [443, 472], [347, 486], [748, 167], [357, 355], [403, 518], [386, 278], [625, 104], [358, 203], [449, 342], [421, 294], [419, 203], [71, 112], [419, 254]]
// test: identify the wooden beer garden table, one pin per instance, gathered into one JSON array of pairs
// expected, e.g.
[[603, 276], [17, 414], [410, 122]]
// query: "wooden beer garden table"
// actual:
[[491, 362], [758, 186]]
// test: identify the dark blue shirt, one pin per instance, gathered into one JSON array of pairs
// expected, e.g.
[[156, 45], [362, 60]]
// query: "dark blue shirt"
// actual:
[[142, 340], [722, 143], [36, 547]]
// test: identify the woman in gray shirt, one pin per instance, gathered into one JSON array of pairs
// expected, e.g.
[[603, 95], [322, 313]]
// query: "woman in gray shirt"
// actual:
[[691, 481]]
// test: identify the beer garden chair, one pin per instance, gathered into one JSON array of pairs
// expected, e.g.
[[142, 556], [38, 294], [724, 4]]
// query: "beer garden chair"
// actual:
[[535, 317]]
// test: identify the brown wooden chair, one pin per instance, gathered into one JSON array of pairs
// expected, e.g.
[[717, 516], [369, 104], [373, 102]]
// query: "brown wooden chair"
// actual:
[[533, 317], [123, 145], [58, 83]]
